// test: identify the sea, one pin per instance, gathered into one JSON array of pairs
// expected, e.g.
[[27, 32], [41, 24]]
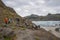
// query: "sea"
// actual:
[[47, 23]]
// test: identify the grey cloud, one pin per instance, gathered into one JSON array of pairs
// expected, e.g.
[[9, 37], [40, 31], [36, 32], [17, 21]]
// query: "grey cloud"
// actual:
[[39, 7], [53, 3]]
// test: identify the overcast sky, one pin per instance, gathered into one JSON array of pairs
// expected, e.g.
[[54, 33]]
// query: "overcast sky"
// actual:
[[39, 7]]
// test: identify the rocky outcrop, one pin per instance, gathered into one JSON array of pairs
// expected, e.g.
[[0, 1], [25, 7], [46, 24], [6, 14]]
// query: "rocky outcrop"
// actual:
[[6, 32]]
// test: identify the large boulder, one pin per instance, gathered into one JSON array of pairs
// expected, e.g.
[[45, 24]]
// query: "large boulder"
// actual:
[[57, 29], [6, 32]]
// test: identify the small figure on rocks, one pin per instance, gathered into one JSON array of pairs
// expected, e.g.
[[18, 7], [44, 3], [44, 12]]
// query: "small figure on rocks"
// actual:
[[38, 26], [6, 22], [59, 24], [10, 20], [17, 21]]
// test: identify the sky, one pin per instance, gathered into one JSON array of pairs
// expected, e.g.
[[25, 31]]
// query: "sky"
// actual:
[[38, 7]]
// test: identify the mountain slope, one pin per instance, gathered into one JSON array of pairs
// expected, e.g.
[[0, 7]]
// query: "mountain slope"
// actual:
[[49, 17], [9, 13], [6, 12]]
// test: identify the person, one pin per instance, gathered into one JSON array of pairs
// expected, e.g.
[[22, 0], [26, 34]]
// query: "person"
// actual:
[[39, 26], [6, 22], [59, 24], [17, 21], [10, 20]]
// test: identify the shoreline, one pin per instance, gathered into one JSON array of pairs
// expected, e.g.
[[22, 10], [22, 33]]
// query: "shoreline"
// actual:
[[52, 30]]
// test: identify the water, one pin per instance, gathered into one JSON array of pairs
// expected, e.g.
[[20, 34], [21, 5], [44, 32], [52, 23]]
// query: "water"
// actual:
[[47, 23]]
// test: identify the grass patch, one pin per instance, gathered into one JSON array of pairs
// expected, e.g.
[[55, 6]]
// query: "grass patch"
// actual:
[[23, 28], [36, 38], [7, 38], [13, 28]]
